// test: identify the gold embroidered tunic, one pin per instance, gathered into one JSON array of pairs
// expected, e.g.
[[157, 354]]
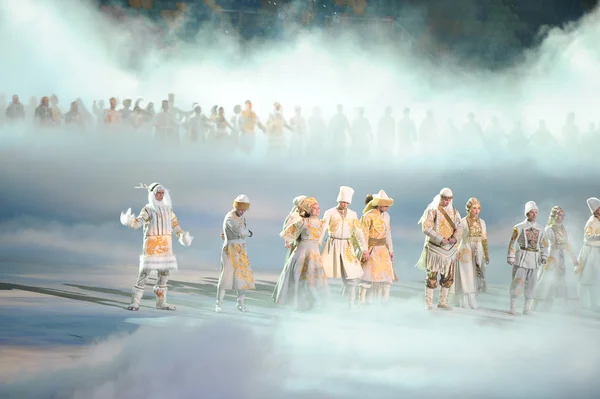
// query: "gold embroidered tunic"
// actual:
[[376, 230], [236, 273], [159, 225], [436, 257]]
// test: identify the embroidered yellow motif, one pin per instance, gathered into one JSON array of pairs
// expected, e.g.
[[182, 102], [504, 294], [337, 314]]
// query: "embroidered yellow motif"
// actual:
[[515, 234], [157, 245], [312, 269], [465, 255], [445, 229], [349, 253], [241, 264]]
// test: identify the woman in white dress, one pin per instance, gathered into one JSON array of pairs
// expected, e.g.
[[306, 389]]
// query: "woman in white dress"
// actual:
[[472, 254], [555, 279], [303, 282], [589, 259]]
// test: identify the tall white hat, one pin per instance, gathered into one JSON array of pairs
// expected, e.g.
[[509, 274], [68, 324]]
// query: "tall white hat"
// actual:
[[593, 204], [345, 194]]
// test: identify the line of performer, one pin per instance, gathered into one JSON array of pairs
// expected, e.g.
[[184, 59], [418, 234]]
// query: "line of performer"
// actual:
[[360, 253]]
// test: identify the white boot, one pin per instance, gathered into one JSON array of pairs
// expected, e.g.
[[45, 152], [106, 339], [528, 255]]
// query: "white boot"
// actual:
[[240, 304], [218, 307], [443, 300], [428, 298], [386, 293], [161, 298], [136, 298], [362, 292], [513, 306], [352, 290], [527, 307]]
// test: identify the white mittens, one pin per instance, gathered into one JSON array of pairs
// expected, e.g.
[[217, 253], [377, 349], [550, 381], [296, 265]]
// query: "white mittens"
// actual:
[[127, 218], [186, 239]]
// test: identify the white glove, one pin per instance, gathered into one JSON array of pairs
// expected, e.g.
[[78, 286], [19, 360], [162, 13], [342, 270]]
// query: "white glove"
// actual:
[[126, 218], [186, 239]]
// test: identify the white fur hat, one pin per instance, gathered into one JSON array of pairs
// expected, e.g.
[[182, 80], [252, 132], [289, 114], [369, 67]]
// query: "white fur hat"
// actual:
[[345, 194], [241, 202], [446, 192], [593, 204], [530, 206]]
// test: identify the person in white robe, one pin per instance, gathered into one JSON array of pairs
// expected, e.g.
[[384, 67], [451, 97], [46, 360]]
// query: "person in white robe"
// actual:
[[159, 222], [292, 217], [345, 238], [303, 282], [236, 273], [442, 226], [555, 280], [472, 257], [528, 249], [589, 259]]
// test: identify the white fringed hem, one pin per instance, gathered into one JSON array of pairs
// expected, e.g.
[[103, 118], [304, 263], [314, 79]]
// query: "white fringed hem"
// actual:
[[158, 262], [436, 259]]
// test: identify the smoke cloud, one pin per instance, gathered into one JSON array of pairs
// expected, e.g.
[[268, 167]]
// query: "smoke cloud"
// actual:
[[63, 190]]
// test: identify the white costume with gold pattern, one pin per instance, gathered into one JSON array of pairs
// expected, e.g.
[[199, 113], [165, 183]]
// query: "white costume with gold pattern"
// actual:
[[345, 237], [528, 248], [236, 273], [557, 278], [303, 282], [437, 258], [159, 223], [589, 258], [471, 254]]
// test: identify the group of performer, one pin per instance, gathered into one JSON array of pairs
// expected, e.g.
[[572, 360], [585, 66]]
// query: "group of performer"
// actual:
[[360, 253], [293, 129]]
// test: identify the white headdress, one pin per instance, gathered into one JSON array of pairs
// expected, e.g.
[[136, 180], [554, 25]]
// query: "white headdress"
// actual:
[[444, 192], [345, 194], [593, 204], [152, 189], [530, 206], [294, 214]]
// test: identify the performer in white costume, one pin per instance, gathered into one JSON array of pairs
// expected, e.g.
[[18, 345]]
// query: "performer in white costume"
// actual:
[[442, 226], [556, 280], [292, 217], [528, 248], [159, 222], [378, 266], [236, 273], [472, 257], [303, 282], [339, 252], [589, 258]]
